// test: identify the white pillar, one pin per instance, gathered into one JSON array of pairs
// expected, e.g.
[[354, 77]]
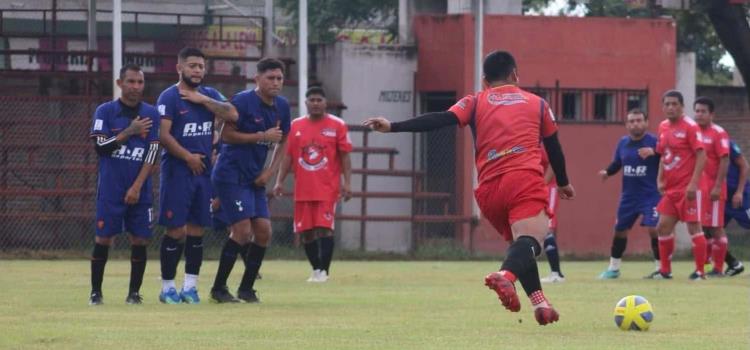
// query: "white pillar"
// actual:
[[302, 63], [268, 30], [478, 56], [116, 46]]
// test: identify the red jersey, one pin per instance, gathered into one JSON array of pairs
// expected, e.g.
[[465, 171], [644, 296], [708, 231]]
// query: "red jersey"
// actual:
[[716, 144], [314, 147], [678, 143], [507, 123]]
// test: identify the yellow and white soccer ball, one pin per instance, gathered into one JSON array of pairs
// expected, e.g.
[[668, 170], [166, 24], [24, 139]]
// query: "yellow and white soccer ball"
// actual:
[[633, 313]]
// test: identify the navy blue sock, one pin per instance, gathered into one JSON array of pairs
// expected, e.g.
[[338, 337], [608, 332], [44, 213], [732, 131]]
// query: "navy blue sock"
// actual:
[[226, 263], [312, 253], [655, 248], [618, 247], [98, 261], [137, 266], [252, 265], [193, 254], [326, 253], [169, 255], [553, 256]]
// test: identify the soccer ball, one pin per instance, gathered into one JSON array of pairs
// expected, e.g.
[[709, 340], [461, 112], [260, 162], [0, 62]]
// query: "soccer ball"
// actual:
[[633, 312]]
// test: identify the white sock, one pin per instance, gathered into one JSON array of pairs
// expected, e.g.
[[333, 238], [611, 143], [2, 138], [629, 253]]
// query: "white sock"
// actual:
[[166, 284], [614, 264], [191, 281], [657, 264]]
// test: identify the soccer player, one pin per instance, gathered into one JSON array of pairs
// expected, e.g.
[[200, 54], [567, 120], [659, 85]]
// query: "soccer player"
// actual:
[[738, 205], [317, 152], [506, 123], [188, 110], [126, 138], [636, 155], [550, 242], [680, 168], [713, 186], [239, 177]]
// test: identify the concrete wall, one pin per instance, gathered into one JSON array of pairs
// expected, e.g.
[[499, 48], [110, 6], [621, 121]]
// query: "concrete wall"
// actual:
[[686, 78]]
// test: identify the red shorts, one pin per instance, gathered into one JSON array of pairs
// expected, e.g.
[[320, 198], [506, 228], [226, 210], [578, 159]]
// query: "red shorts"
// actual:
[[675, 203], [512, 197], [312, 214], [553, 200]]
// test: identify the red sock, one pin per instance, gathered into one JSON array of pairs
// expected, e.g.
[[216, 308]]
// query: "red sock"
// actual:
[[509, 276], [666, 248], [699, 251], [538, 299], [709, 249], [719, 252]]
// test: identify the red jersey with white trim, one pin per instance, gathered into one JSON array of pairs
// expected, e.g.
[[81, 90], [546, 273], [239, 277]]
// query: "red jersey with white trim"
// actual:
[[678, 143], [314, 147], [716, 145], [508, 124]]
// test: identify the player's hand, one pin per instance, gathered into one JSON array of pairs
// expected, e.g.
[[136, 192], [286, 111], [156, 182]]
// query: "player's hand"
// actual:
[[690, 192], [278, 190], [139, 126], [660, 187], [132, 195], [379, 124], [737, 200], [346, 192], [603, 174], [215, 204], [566, 192], [262, 179], [716, 193], [645, 152], [273, 134], [193, 96], [195, 163]]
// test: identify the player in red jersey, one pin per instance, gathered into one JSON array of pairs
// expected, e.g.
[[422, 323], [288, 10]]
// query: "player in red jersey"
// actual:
[[507, 123], [317, 152], [550, 242], [713, 182], [680, 168]]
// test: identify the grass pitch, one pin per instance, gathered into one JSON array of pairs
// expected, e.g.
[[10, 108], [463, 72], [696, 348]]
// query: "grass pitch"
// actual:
[[366, 305]]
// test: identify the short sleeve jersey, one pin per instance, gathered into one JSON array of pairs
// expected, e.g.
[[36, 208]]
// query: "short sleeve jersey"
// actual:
[[678, 143], [314, 147], [638, 174], [241, 163], [508, 124], [192, 124], [118, 171], [716, 145]]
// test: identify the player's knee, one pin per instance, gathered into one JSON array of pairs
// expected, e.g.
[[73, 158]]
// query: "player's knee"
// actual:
[[177, 233], [624, 233], [533, 242], [324, 232], [138, 241], [104, 240], [308, 237], [262, 237]]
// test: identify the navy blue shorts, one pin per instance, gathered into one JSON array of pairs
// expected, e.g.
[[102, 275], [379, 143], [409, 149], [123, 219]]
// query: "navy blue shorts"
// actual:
[[629, 211], [219, 219], [741, 214], [185, 198], [241, 202], [113, 218]]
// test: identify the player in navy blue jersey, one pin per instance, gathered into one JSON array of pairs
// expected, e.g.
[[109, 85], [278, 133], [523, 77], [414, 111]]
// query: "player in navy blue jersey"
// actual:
[[239, 177], [126, 138], [188, 111], [738, 200], [636, 156]]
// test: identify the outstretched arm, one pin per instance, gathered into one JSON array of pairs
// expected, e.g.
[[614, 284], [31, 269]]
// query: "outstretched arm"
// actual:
[[424, 122]]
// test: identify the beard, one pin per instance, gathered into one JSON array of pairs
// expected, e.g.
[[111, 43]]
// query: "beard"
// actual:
[[637, 133], [186, 79]]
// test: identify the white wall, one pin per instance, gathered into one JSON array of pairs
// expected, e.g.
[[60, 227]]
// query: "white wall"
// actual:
[[686, 78]]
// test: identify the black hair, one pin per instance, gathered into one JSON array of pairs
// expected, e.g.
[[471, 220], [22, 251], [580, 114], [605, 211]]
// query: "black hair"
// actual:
[[129, 66], [190, 52], [498, 65], [705, 100], [315, 90], [638, 111], [268, 64], [673, 93]]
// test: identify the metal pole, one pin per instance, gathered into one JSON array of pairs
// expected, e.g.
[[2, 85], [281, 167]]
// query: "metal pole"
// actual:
[[92, 44], [116, 46], [302, 64], [268, 30], [478, 55]]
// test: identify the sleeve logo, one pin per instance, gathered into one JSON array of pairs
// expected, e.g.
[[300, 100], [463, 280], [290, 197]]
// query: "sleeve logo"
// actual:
[[98, 124], [162, 109]]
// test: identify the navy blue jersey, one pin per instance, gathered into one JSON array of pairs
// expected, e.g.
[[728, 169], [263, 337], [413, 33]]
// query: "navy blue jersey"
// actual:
[[241, 164], [733, 174], [638, 174], [192, 124], [118, 171]]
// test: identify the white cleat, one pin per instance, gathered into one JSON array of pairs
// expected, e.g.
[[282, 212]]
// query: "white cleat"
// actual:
[[553, 277], [322, 276], [314, 276]]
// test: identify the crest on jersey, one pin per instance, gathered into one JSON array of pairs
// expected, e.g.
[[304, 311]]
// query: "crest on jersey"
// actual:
[[313, 158], [506, 99], [328, 132]]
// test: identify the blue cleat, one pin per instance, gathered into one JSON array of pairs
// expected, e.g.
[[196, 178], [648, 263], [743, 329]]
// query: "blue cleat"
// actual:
[[190, 296], [609, 275], [170, 297]]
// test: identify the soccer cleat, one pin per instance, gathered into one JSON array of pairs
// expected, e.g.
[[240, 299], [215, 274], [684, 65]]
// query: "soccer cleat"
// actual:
[[134, 298], [697, 276], [505, 290], [609, 274], [662, 276], [323, 276], [714, 274], [546, 315], [222, 295], [314, 276], [653, 275], [190, 296], [735, 269], [96, 298], [170, 297], [554, 277], [248, 296]]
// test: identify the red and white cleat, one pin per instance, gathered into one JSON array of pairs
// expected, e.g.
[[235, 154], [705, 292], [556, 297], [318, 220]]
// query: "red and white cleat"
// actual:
[[546, 315], [505, 290]]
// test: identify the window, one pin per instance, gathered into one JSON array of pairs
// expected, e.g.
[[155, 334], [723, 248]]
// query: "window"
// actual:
[[637, 100], [603, 106], [571, 105]]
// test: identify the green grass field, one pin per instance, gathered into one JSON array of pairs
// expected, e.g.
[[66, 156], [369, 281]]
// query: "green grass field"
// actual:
[[366, 305]]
